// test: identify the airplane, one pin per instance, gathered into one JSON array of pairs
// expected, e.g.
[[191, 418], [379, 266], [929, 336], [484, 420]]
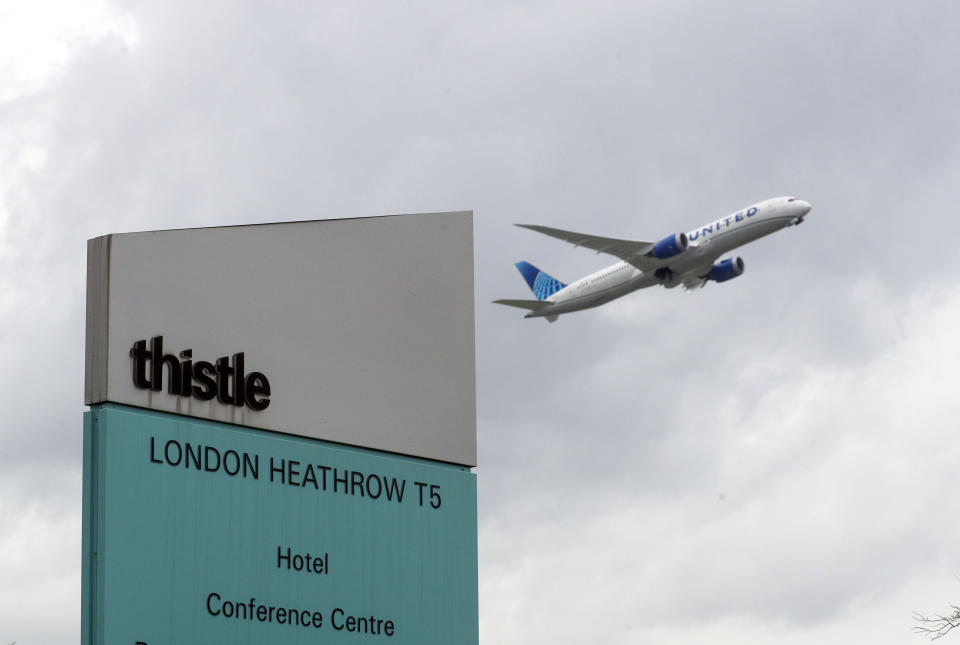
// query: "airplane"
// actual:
[[689, 259]]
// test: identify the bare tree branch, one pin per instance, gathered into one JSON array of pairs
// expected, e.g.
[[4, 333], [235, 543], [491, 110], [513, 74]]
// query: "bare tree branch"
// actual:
[[936, 625]]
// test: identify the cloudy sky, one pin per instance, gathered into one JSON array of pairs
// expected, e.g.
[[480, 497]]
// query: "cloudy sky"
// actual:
[[774, 458]]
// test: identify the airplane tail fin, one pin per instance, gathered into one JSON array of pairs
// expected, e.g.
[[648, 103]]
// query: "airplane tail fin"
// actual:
[[542, 285]]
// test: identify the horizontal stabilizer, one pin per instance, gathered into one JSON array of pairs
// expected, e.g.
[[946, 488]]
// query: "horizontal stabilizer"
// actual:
[[532, 305]]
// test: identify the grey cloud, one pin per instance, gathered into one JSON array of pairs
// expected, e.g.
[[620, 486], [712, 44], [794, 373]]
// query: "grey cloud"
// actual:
[[608, 438]]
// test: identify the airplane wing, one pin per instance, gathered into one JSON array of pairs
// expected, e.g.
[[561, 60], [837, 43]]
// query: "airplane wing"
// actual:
[[634, 252]]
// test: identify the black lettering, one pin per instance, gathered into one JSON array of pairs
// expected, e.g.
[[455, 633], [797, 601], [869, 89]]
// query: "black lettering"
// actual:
[[206, 459], [361, 624], [179, 453], [420, 487], [224, 372], [309, 477], [207, 386], [251, 465], [226, 462], [251, 610], [157, 361], [257, 385], [153, 454], [356, 481], [292, 473], [186, 372], [140, 356], [276, 469], [238, 383], [376, 480], [281, 557], [434, 493], [338, 480], [393, 489], [193, 456], [225, 380], [210, 459], [324, 470]]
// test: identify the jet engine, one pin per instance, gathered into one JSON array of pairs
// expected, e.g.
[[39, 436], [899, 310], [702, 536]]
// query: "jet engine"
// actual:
[[726, 269], [671, 246]]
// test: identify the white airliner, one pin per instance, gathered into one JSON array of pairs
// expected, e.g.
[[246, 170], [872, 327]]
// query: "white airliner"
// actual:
[[689, 259]]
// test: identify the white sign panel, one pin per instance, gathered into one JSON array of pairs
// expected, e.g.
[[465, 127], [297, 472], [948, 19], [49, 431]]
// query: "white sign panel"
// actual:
[[359, 331]]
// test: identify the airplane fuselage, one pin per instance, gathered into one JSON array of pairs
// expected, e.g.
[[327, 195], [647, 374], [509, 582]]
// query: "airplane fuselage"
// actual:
[[706, 244]]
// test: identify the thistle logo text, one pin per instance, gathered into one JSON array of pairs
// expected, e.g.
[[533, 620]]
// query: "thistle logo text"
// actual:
[[223, 379]]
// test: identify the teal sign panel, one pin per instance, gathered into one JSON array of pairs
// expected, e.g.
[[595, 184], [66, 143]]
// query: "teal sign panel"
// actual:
[[202, 532]]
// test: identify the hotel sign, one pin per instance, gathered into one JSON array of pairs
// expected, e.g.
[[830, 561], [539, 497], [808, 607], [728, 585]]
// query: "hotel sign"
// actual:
[[281, 434], [361, 330]]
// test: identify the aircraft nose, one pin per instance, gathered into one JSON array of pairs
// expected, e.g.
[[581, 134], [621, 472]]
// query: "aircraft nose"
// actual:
[[801, 207]]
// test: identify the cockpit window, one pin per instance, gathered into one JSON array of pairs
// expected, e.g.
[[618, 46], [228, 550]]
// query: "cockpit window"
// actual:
[[791, 199]]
